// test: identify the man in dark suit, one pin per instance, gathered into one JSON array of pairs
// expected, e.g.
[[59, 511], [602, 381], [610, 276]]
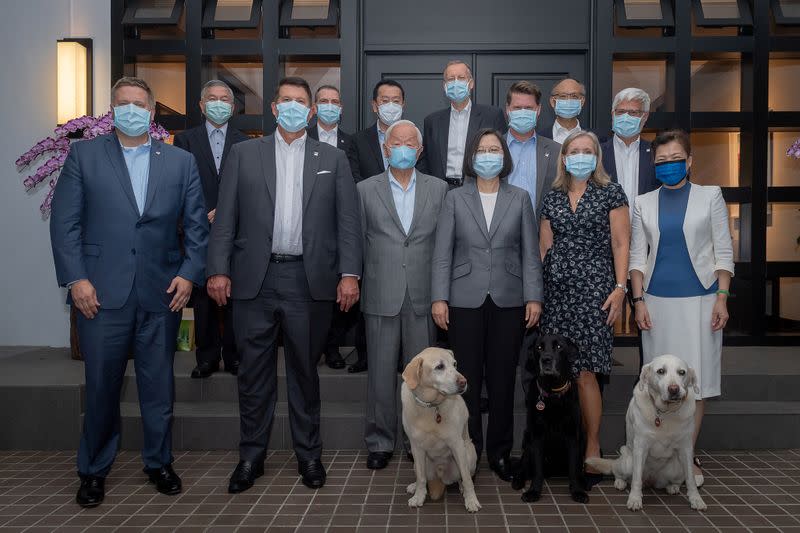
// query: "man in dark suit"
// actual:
[[567, 99], [446, 132], [329, 110], [210, 144], [285, 244], [114, 232]]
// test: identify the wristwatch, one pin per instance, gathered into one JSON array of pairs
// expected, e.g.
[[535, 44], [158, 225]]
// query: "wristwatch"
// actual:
[[637, 299], [621, 286]]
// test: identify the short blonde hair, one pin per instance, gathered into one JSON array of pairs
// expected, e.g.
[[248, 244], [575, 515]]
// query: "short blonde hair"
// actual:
[[563, 179]]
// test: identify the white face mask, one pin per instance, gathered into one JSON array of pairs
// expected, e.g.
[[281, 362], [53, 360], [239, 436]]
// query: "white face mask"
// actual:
[[390, 113]]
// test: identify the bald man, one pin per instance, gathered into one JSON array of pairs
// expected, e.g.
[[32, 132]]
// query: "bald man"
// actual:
[[567, 99]]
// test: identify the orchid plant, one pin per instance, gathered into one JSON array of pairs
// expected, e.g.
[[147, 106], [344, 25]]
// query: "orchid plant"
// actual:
[[57, 149]]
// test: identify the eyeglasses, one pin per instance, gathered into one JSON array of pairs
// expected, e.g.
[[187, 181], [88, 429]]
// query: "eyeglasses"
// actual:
[[454, 78], [492, 150], [567, 96], [632, 112]]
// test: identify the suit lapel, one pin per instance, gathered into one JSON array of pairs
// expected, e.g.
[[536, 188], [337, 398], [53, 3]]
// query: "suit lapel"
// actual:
[[385, 194], [373, 145], [542, 162], [310, 168], [694, 207], [269, 169], [229, 135], [420, 201], [114, 152], [504, 196], [205, 149], [445, 128], [612, 162], [473, 200], [154, 174], [646, 164], [474, 121]]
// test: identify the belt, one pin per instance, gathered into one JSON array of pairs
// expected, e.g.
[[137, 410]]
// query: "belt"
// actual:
[[284, 258], [454, 182]]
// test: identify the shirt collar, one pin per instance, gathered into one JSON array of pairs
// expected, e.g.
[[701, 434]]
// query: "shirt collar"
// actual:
[[464, 111], [511, 139], [142, 146], [411, 182], [619, 144], [321, 132], [558, 128], [210, 128], [297, 143]]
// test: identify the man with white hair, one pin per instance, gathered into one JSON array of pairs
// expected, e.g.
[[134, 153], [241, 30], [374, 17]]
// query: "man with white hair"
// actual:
[[626, 156], [399, 210]]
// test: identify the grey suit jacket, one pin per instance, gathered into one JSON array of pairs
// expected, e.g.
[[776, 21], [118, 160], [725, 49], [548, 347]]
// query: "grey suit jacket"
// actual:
[[547, 153], [241, 236], [393, 260], [471, 260]]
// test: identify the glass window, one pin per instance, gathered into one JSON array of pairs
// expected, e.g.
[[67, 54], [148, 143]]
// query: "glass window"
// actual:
[[783, 231], [233, 10], [716, 158], [716, 83], [167, 79], [316, 72], [739, 218], [783, 305], [784, 169], [784, 79], [649, 75], [643, 9], [310, 9], [245, 76], [153, 9], [720, 9]]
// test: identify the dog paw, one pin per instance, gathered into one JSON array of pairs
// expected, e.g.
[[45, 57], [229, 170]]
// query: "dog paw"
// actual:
[[417, 500], [411, 488], [472, 504], [517, 483], [635, 502], [673, 489], [697, 503], [531, 496], [620, 484]]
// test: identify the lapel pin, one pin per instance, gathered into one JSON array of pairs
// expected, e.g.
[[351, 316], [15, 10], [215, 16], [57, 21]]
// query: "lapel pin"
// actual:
[[647, 149], [158, 153], [547, 154], [316, 154]]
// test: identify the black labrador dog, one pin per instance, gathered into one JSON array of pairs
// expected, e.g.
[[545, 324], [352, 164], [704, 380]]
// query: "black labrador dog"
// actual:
[[554, 441]]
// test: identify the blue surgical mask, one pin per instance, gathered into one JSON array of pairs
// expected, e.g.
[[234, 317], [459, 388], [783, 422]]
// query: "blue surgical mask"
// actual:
[[671, 172], [402, 157], [626, 125], [487, 166], [390, 113], [568, 108], [329, 113], [218, 112], [292, 116], [457, 90], [522, 120], [131, 119], [581, 166]]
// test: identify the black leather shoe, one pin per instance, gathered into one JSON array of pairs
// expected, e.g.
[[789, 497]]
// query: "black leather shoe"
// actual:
[[334, 359], [313, 473], [358, 366], [166, 480], [233, 369], [244, 476], [378, 460], [91, 492], [502, 467], [203, 370]]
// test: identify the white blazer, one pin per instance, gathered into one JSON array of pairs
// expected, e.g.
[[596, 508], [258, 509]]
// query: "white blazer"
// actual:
[[705, 227]]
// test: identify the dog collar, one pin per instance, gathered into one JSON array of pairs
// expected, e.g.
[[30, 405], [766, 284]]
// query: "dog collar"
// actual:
[[430, 405], [659, 412], [557, 392]]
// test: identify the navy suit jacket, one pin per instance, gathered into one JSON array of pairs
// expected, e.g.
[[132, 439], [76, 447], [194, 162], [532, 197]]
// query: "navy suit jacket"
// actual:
[[342, 138], [647, 171], [97, 233], [364, 154]]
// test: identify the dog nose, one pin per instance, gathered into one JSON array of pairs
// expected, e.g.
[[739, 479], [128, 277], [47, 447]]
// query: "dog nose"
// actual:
[[673, 390], [461, 381]]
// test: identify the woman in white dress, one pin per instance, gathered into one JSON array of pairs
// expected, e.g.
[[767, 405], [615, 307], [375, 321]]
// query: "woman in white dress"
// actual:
[[681, 265]]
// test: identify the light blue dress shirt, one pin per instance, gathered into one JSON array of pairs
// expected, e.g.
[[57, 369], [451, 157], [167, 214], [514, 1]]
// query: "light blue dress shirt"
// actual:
[[381, 141], [524, 156], [137, 159], [216, 138], [403, 199]]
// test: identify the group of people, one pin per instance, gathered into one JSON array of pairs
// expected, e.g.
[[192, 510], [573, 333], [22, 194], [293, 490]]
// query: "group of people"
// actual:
[[466, 233]]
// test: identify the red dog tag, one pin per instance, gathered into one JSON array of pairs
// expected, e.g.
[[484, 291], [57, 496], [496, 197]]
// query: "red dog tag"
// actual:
[[438, 418], [658, 421], [540, 405]]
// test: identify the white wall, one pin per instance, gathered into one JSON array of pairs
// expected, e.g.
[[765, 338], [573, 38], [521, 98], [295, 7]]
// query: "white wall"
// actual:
[[32, 309]]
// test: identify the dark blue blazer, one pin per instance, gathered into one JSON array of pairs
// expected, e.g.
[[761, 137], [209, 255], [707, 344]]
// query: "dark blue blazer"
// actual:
[[647, 171], [97, 233]]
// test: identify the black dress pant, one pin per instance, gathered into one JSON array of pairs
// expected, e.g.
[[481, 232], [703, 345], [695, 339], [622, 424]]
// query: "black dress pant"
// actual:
[[486, 342], [210, 342], [341, 323], [283, 305]]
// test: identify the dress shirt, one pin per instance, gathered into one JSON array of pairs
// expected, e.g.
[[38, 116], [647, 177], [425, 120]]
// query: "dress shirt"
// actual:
[[457, 140], [287, 236], [560, 133], [216, 138], [403, 199], [329, 137], [488, 201], [381, 141], [523, 154], [137, 159], [627, 161]]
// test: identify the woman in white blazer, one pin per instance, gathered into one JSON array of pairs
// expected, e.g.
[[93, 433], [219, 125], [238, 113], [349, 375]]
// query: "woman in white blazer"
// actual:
[[681, 265]]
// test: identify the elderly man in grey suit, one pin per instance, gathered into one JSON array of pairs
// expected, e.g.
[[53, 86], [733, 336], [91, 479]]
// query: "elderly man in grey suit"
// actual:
[[399, 209], [286, 242]]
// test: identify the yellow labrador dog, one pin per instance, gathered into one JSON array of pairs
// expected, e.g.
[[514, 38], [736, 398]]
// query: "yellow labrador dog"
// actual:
[[435, 421], [659, 426]]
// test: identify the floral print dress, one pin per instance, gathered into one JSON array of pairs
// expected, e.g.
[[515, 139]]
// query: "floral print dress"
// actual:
[[579, 272]]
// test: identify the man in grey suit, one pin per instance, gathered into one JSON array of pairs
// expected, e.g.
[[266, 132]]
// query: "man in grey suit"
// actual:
[[399, 209], [285, 243]]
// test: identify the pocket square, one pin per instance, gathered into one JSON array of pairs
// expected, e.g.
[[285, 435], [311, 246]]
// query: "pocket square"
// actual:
[[323, 172]]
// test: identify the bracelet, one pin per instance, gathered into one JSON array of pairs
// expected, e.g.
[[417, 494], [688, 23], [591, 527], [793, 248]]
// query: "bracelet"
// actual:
[[621, 286], [723, 291]]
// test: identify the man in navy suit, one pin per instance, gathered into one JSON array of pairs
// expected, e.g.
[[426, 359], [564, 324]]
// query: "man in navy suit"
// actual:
[[210, 144], [114, 230]]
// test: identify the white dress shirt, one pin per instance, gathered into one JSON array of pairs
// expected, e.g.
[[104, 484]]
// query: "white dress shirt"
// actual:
[[329, 137], [287, 235], [216, 138], [457, 140], [627, 160], [560, 133]]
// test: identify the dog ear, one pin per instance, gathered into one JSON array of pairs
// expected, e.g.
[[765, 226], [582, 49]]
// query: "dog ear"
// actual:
[[413, 373], [644, 376], [573, 352], [691, 380]]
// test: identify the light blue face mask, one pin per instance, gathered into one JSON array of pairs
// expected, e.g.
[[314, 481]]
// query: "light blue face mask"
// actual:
[[329, 113], [402, 157], [522, 120], [568, 108], [487, 166], [292, 116], [626, 125], [131, 119], [218, 112], [457, 90], [390, 113], [581, 166]]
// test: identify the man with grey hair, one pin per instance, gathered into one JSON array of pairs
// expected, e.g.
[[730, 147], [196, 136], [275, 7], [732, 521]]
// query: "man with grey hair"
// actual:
[[399, 210], [567, 99], [448, 130], [210, 143]]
